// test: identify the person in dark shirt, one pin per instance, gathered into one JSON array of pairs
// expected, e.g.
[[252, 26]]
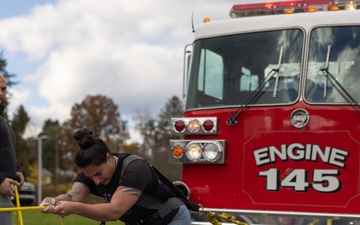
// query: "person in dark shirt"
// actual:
[[134, 192], [9, 174]]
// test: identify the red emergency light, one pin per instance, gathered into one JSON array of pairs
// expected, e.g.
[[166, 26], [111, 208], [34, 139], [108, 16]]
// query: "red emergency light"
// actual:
[[289, 7], [195, 126]]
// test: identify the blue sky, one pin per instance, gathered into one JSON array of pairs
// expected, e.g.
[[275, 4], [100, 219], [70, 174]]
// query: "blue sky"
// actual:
[[128, 50], [10, 8]]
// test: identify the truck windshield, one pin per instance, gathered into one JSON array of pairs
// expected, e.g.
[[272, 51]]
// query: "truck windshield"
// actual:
[[333, 74], [225, 71]]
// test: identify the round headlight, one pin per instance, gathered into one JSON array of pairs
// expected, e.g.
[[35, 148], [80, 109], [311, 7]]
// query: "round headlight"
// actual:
[[193, 151], [350, 5], [212, 152]]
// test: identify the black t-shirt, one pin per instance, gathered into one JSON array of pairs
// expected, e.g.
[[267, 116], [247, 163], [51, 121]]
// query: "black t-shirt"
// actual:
[[138, 174]]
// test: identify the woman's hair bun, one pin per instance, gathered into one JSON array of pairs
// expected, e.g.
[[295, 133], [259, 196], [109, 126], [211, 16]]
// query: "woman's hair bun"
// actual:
[[84, 138]]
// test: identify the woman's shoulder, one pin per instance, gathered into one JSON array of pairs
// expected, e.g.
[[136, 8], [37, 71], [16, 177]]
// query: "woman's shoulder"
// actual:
[[121, 156], [129, 157]]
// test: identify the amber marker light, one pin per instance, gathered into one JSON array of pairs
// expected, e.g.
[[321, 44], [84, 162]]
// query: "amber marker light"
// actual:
[[288, 11], [311, 9], [178, 151], [334, 8]]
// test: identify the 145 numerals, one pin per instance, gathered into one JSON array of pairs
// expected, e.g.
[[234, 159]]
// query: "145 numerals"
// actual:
[[298, 179]]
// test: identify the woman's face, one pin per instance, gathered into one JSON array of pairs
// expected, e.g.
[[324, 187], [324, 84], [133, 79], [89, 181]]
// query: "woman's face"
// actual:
[[101, 174]]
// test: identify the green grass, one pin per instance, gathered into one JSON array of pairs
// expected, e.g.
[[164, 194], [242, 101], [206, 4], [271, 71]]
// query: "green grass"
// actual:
[[35, 217]]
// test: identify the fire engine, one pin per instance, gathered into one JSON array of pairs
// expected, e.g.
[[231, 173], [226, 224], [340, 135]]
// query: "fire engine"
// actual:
[[271, 127]]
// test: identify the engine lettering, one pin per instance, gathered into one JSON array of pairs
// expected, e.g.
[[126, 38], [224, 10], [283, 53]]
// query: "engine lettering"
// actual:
[[298, 152]]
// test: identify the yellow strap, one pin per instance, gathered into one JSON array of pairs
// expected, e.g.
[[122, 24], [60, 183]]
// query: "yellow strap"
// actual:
[[21, 208], [212, 218], [19, 214], [18, 208]]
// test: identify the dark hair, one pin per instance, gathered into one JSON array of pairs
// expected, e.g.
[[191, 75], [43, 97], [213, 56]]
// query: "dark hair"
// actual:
[[92, 151]]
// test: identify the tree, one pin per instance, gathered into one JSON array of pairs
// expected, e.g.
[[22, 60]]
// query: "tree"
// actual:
[[173, 108], [146, 126], [19, 123], [156, 137], [100, 114], [9, 77], [51, 129], [20, 120]]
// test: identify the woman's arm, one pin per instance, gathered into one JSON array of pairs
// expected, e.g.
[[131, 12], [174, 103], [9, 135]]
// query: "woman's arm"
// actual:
[[122, 200], [78, 193]]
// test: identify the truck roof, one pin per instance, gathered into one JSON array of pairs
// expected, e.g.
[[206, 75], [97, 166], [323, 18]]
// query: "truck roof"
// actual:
[[305, 21]]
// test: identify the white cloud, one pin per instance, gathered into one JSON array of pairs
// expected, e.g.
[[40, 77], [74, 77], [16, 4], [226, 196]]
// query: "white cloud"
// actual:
[[130, 51], [16, 98]]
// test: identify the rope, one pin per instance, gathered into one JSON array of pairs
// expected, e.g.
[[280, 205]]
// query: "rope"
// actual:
[[19, 213], [213, 218], [19, 209]]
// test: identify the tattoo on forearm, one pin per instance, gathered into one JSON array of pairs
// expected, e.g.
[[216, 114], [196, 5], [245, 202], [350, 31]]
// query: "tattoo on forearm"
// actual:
[[132, 191], [76, 189]]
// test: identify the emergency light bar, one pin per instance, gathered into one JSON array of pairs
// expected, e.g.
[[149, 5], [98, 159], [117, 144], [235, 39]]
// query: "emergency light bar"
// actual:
[[289, 7]]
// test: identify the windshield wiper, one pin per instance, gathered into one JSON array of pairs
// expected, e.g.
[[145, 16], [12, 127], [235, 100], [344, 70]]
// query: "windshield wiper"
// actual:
[[326, 69], [329, 77], [255, 94], [281, 56]]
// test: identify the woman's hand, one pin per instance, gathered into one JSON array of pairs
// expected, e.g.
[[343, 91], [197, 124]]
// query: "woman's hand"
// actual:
[[64, 208], [61, 208], [50, 203]]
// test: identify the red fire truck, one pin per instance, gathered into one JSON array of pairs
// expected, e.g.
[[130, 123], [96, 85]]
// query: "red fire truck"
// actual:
[[271, 127]]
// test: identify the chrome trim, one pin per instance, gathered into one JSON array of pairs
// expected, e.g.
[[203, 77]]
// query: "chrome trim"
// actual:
[[282, 213], [201, 121], [299, 118], [202, 160]]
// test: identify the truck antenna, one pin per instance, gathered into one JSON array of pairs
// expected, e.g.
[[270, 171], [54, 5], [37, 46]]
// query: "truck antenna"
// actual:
[[192, 22]]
